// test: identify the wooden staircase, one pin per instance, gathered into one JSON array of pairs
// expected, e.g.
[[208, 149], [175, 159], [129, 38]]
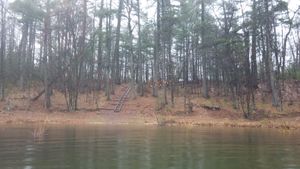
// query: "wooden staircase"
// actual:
[[120, 104]]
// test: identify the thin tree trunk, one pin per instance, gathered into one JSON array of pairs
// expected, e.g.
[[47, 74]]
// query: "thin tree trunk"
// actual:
[[108, 57], [22, 55], [116, 60], [254, 81], [46, 56], [204, 60], [140, 57], [132, 74], [156, 51], [100, 52], [2, 52]]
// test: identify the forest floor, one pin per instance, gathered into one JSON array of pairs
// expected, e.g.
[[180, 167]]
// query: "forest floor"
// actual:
[[95, 109]]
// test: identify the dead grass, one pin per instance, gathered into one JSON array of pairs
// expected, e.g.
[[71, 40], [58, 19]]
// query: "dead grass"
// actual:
[[17, 109]]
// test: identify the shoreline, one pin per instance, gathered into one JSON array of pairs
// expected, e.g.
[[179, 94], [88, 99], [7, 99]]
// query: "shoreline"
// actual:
[[94, 118]]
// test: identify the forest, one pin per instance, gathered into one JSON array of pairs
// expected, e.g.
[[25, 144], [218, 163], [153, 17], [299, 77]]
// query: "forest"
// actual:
[[244, 51]]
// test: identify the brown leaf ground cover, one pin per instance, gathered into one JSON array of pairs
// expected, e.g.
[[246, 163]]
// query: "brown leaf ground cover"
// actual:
[[95, 109]]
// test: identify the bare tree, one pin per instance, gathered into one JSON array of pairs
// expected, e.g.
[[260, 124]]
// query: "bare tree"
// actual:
[[204, 57], [2, 50], [46, 59], [156, 51], [116, 60], [100, 46]]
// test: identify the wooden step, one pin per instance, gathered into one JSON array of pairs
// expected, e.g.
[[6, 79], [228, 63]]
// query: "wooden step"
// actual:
[[118, 108], [103, 108]]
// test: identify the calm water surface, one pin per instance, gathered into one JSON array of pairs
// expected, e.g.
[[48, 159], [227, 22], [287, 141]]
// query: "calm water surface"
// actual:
[[125, 147]]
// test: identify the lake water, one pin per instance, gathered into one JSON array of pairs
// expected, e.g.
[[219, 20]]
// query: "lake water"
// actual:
[[125, 147]]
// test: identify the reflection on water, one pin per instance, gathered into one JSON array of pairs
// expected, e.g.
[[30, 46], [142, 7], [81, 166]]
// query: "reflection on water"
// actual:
[[100, 147]]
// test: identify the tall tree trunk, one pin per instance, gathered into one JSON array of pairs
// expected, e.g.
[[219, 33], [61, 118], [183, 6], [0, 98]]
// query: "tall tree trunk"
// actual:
[[140, 57], [204, 60], [47, 23], [11, 59], [186, 59], [2, 52], [116, 76], [156, 51], [108, 50], [254, 82], [132, 74], [100, 50], [82, 51], [275, 95], [248, 78], [22, 55]]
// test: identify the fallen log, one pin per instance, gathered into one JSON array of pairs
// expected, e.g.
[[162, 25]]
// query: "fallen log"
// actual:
[[211, 107], [43, 91]]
